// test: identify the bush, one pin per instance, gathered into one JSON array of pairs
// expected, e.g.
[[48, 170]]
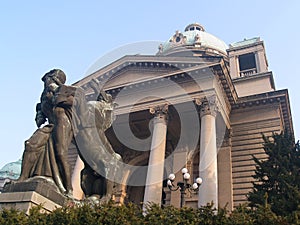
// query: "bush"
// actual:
[[133, 215]]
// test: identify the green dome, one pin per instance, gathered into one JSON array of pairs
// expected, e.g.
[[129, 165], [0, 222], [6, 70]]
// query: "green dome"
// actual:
[[11, 170], [195, 38]]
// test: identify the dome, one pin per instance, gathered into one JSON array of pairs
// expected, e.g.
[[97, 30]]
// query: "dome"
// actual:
[[11, 170], [193, 38]]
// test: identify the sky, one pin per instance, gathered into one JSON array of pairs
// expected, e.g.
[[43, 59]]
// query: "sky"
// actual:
[[37, 36]]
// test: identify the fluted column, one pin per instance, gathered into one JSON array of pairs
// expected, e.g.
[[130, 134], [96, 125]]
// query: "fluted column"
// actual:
[[208, 169], [153, 189], [76, 179]]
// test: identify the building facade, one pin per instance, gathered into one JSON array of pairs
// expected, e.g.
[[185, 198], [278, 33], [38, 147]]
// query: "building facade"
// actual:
[[197, 104]]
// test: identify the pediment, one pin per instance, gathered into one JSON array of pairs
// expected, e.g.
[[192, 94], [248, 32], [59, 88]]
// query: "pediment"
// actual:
[[133, 76], [138, 68], [134, 70]]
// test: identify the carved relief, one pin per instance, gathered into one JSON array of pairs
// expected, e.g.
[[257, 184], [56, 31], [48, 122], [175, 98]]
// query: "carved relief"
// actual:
[[197, 38], [160, 111], [207, 105], [178, 38]]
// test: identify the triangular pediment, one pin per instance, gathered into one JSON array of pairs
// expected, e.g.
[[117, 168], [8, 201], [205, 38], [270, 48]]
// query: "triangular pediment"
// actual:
[[134, 69]]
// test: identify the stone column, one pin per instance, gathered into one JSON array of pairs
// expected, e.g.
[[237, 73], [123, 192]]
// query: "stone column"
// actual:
[[77, 191], [153, 188], [208, 170]]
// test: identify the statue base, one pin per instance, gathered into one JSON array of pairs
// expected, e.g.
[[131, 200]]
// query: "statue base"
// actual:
[[32, 192], [26, 200]]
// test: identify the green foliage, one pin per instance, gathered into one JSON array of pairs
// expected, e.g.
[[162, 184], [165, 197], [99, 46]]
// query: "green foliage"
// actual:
[[243, 215], [132, 214], [12, 216], [278, 178]]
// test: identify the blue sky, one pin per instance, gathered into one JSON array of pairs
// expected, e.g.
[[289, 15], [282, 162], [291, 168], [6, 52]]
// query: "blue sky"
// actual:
[[37, 36]]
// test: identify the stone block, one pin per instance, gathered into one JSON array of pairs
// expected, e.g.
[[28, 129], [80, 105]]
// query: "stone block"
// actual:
[[32, 192], [41, 185], [26, 200]]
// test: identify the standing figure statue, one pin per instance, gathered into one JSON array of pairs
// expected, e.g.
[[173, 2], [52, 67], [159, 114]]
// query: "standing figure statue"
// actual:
[[90, 119], [71, 117], [57, 142]]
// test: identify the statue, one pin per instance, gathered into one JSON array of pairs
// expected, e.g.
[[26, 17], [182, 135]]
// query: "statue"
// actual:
[[46, 152], [71, 117]]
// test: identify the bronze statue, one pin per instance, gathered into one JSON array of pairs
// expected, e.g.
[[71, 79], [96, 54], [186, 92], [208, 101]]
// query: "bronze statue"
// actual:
[[105, 162], [55, 149], [70, 116], [39, 158]]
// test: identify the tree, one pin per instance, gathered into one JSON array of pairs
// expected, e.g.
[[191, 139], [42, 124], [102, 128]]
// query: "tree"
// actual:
[[277, 179]]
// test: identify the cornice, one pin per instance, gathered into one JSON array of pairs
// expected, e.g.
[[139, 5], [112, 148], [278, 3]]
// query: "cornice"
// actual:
[[256, 76], [280, 97]]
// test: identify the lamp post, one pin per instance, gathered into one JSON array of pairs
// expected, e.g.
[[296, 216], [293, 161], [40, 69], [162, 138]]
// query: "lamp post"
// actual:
[[183, 185]]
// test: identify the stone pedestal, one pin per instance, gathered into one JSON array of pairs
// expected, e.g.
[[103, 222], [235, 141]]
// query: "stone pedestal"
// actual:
[[26, 200], [30, 193]]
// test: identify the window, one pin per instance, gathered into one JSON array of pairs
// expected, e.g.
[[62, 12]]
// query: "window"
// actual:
[[247, 64], [178, 39]]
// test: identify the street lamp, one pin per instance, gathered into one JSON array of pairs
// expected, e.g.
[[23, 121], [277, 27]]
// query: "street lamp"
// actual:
[[183, 185]]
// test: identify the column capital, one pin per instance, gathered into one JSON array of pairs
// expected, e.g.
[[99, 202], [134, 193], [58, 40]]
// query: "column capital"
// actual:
[[160, 112], [207, 105]]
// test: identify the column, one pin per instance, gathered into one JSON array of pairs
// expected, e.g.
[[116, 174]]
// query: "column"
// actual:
[[208, 170], [77, 191], [153, 188]]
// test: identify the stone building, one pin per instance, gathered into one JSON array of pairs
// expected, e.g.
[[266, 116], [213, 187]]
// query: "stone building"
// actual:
[[199, 104]]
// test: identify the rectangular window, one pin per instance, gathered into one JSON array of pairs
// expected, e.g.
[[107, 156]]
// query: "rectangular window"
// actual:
[[247, 64]]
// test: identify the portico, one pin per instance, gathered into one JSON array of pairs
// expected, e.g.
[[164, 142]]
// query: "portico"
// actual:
[[184, 107]]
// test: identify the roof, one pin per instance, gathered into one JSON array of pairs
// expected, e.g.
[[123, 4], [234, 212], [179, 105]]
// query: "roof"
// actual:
[[11, 170], [244, 42]]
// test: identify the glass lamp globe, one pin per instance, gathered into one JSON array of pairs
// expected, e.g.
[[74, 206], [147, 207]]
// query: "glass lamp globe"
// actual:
[[186, 176], [169, 183], [195, 186], [172, 176], [199, 180], [184, 170]]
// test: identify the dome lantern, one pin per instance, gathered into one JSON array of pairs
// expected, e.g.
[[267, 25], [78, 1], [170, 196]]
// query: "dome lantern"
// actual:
[[194, 26]]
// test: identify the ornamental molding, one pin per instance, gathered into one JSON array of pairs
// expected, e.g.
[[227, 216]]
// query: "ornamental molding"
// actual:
[[178, 38], [160, 111], [207, 105]]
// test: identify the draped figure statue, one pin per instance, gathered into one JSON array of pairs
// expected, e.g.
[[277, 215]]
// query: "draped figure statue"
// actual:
[[70, 116]]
